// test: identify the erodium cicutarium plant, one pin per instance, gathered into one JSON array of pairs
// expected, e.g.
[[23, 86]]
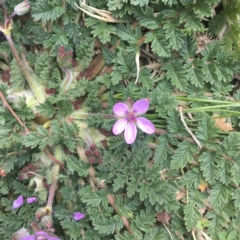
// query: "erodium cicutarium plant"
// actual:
[[119, 119]]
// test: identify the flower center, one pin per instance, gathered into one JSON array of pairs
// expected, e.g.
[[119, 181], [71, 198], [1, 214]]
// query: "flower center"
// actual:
[[131, 117]]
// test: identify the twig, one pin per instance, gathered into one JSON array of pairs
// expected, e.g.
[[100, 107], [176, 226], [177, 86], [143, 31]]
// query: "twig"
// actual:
[[188, 129], [170, 234], [55, 160], [205, 235], [193, 234], [111, 200], [5, 104], [148, 54]]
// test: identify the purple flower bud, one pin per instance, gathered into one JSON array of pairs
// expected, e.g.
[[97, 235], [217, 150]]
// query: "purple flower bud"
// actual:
[[22, 8], [18, 202], [31, 200], [78, 216], [47, 222], [40, 212]]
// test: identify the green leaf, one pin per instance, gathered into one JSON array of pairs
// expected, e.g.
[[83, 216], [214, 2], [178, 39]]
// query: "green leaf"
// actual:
[[155, 234], [73, 31], [145, 78], [4, 189], [17, 78], [110, 225], [119, 182], [159, 44], [93, 199], [220, 194], [208, 165], [108, 55], [77, 165], [33, 139], [132, 186], [57, 38], [169, 2], [191, 216], [184, 154], [126, 33], [236, 197], [124, 65], [195, 73], [207, 130], [216, 25], [177, 73], [193, 178], [103, 31], [225, 169], [69, 132], [141, 3], [143, 191], [21, 33], [174, 35], [147, 18], [189, 48], [144, 220], [192, 23], [42, 67], [209, 71], [202, 8], [9, 164], [174, 123], [217, 221], [46, 11], [163, 149], [46, 109], [235, 173], [211, 50]]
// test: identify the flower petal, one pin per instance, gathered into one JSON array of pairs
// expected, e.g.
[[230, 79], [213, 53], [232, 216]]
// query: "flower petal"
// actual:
[[119, 126], [120, 109], [77, 216], [141, 106], [41, 233], [145, 125], [32, 237], [18, 203], [53, 238], [31, 200], [130, 133]]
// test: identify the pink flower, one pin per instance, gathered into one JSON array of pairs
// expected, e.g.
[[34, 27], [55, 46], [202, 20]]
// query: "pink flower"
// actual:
[[130, 119], [31, 200], [40, 235], [18, 203], [78, 216]]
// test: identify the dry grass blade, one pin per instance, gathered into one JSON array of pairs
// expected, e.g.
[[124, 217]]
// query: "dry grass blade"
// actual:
[[104, 15]]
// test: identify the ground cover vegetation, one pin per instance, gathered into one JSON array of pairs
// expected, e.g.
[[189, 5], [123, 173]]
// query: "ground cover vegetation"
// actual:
[[119, 119]]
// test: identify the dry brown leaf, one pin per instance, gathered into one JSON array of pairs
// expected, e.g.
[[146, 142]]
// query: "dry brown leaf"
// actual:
[[222, 124], [179, 195], [163, 217], [203, 186]]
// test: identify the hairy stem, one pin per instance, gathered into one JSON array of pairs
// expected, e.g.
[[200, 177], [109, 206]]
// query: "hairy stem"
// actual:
[[56, 167], [38, 92], [67, 81]]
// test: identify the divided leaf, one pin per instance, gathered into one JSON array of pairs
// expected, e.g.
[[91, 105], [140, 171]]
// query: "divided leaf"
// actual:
[[192, 216]]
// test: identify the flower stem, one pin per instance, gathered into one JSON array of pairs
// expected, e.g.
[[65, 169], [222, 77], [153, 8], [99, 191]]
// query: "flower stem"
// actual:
[[67, 81], [56, 167], [34, 85], [205, 100], [216, 107]]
